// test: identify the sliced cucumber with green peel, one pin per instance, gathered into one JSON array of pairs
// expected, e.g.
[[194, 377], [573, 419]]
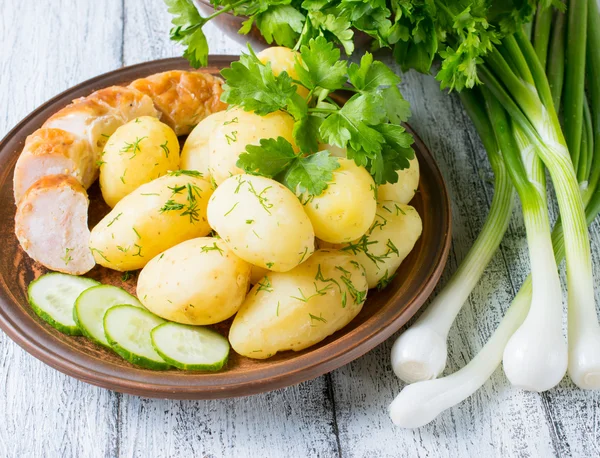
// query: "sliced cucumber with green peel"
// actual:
[[92, 304], [53, 296], [127, 329], [192, 348]]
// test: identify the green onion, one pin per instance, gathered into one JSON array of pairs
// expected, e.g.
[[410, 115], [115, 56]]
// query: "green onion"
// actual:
[[575, 75], [420, 352]]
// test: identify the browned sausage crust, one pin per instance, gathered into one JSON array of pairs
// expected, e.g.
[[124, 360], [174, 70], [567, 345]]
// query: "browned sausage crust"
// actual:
[[183, 97], [53, 152], [98, 115]]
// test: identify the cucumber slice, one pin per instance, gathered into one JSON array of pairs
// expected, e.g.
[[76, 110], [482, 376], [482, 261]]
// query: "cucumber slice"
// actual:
[[92, 304], [52, 297], [127, 328], [190, 347]]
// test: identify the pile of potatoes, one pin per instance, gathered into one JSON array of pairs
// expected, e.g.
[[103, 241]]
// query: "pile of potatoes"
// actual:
[[203, 232]]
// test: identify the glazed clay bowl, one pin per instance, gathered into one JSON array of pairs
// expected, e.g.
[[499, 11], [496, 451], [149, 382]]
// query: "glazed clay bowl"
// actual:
[[383, 313]]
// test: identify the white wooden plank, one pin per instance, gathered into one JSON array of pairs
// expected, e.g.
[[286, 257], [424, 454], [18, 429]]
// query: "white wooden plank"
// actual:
[[295, 422], [46, 413], [147, 26]]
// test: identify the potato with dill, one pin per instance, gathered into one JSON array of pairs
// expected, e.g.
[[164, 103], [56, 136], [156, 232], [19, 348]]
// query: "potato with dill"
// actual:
[[262, 221], [154, 217], [138, 152], [299, 308], [405, 188], [240, 128], [389, 240], [199, 282], [345, 210], [195, 152]]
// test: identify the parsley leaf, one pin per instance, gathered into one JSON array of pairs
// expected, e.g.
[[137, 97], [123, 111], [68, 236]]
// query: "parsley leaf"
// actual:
[[275, 158], [351, 124], [253, 86], [369, 76], [282, 23], [311, 174], [268, 159], [321, 65], [396, 107], [188, 31], [306, 133], [338, 26]]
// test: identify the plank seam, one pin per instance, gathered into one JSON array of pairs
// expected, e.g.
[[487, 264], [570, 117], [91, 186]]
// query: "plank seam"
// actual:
[[331, 396]]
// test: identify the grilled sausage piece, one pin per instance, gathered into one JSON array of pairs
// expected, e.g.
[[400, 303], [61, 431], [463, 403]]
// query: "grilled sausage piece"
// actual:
[[184, 98], [95, 117], [53, 152], [51, 224]]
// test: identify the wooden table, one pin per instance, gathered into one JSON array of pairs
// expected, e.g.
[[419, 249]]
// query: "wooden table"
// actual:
[[47, 46]]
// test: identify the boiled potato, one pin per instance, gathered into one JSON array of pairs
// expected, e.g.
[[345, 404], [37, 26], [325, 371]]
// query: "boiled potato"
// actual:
[[345, 210], [154, 217], [238, 129], [297, 309], [138, 152], [262, 221], [282, 59], [404, 190], [199, 281], [195, 152], [389, 240]]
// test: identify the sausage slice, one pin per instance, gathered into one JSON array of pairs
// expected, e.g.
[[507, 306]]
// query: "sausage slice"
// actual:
[[51, 224]]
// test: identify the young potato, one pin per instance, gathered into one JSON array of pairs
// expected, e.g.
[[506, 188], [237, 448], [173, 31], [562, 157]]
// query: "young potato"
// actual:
[[138, 152], [154, 217], [345, 210], [199, 281], [389, 240], [297, 309], [404, 190], [238, 129], [195, 152], [262, 221], [282, 59]]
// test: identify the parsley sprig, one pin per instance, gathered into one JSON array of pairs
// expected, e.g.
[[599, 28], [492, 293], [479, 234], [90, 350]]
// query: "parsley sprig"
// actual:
[[367, 125]]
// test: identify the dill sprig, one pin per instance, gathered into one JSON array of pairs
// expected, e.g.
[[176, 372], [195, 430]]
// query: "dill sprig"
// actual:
[[133, 147]]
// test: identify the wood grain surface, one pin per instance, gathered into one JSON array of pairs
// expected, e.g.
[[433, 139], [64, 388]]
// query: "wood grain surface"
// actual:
[[47, 46]]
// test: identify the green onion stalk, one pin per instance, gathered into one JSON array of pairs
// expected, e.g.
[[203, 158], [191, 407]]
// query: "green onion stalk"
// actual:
[[535, 357], [420, 353], [531, 108], [421, 402]]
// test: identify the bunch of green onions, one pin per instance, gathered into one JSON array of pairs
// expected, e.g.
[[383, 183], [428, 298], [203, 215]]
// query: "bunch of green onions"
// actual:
[[516, 114]]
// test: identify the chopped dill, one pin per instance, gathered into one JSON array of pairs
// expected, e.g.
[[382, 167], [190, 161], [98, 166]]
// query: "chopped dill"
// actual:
[[115, 219], [231, 209], [96, 250], [67, 258], [214, 247], [133, 148], [262, 200], [264, 285], [165, 148], [136, 233]]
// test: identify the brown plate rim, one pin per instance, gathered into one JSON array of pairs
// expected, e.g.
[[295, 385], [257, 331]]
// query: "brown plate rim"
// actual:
[[35, 339]]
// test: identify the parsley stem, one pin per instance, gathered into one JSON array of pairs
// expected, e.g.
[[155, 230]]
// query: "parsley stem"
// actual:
[[322, 110], [224, 10]]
